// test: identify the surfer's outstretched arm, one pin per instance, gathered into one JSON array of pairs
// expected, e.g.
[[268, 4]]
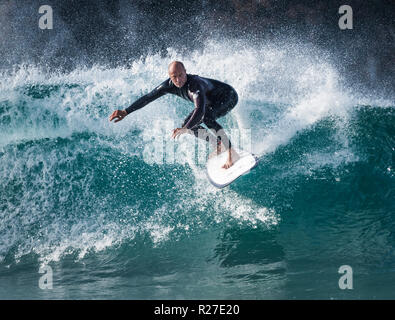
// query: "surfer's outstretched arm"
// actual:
[[159, 91]]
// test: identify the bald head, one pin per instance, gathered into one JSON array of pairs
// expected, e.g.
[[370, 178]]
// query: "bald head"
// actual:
[[176, 65], [177, 73]]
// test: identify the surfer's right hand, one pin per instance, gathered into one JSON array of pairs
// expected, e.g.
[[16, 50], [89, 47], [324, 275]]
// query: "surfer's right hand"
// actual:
[[118, 115]]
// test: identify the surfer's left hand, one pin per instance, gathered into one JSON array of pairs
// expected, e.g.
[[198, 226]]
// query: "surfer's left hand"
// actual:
[[177, 132], [118, 115]]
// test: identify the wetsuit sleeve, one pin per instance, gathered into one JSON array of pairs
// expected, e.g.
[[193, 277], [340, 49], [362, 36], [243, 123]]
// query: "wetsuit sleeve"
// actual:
[[199, 99], [159, 91]]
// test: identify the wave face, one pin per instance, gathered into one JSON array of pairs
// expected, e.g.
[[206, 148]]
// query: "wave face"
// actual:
[[79, 193]]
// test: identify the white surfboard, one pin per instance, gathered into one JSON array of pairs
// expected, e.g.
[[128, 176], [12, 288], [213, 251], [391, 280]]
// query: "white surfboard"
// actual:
[[221, 177]]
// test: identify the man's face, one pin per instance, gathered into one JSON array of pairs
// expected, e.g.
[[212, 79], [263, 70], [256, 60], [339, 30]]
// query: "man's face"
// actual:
[[177, 75]]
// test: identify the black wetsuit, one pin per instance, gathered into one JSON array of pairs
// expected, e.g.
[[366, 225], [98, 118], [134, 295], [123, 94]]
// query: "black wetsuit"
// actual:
[[212, 99]]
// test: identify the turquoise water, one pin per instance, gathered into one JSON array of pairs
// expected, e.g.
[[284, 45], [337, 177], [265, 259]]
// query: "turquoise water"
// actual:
[[79, 194]]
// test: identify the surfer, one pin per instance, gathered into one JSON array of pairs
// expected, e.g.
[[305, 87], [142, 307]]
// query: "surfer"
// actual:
[[212, 99]]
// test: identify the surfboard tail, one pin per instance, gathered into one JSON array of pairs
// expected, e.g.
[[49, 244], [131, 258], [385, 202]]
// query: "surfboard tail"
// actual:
[[221, 177]]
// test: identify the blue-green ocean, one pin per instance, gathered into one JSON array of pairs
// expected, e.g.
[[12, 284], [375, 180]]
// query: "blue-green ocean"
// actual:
[[79, 193]]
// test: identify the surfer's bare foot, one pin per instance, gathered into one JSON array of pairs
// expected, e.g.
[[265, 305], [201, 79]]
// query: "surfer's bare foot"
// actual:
[[228, 164], [232, 158]]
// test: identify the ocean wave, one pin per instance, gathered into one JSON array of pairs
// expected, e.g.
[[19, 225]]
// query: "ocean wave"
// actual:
[[71, 181]]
